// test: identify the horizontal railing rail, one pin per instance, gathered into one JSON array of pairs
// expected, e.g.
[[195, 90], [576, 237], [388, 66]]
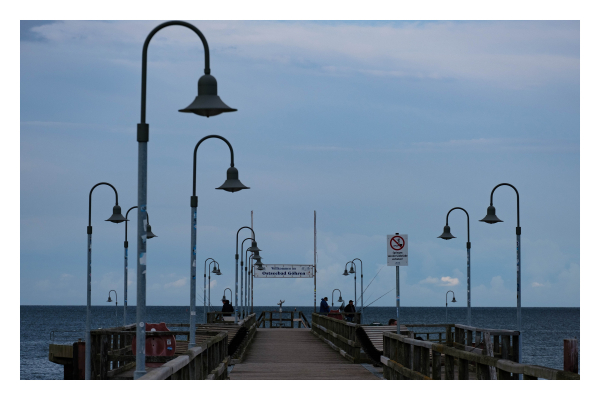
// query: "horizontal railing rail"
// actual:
[[338, 334]]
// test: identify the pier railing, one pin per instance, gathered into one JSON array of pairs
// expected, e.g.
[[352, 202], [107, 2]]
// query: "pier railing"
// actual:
[[285, 319], [209, 360], [338, 334], [406, 358]]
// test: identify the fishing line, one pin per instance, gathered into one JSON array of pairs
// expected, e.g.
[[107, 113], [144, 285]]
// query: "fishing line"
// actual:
[[380, 296], [370, 282]]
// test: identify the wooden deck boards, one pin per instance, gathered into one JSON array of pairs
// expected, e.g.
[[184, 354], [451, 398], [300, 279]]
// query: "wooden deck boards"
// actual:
[[295, 354]]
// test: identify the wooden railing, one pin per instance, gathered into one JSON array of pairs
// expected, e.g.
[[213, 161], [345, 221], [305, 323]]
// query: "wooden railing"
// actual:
[[285, 319], [426, 361], [213, 317], [209, 360], [250, 324], [338, 334]]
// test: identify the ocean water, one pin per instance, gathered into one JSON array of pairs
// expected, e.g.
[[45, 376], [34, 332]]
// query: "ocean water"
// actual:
[[543, 328]]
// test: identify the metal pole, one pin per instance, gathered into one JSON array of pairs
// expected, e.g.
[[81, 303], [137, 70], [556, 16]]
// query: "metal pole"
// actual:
[[362, 294], [236, 287], [397, 299], [447, 307], [88, 322], [192, 341], [468, 284], [315, 266], [242, 291], [519, 295], [252, 289], [125, 288], [140, 319], [252, 227]]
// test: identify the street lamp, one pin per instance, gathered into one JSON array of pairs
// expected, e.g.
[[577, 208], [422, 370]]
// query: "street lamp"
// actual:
[[209, 258], [446, 235], [253, 249], [352, 271], [149, 235], [453, 300], [340, 299], [217, 271], [242, 271], [116, 218], [207, 104], [116, 300], [491, 218], [249, 287], [361, 288], [232, 184], [230, 294]]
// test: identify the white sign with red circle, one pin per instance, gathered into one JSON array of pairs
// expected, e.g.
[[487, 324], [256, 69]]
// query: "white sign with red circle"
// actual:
[[397, 250]]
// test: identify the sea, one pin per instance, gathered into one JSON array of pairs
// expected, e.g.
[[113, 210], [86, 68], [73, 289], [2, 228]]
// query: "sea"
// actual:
[[544, 329]]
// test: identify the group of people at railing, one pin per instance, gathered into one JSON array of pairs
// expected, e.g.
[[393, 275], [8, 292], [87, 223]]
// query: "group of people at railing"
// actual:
[[348, 310]]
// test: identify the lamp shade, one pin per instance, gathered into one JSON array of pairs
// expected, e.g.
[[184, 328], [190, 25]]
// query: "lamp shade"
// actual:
[[345, 272], [218, 272], [351, 269], [491, 218], [149, 234], [446, 235], [215, 270], [117, 217], [256, 257], [207, 103], [259, 265], [224, 298], [232, 184], [340, 299], [109, 299], [453, 299], [254, 248]]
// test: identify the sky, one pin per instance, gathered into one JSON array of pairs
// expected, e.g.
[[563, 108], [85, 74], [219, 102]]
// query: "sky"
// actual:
[[379, 127]]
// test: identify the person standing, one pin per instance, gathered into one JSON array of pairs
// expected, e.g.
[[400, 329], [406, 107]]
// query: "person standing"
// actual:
[[227, 308], [324, 308], [350, 310]]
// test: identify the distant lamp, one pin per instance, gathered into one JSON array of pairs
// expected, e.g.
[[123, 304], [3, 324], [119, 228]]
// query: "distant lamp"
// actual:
[[345, 272], [351, 269], [117, 217], [491, 218]]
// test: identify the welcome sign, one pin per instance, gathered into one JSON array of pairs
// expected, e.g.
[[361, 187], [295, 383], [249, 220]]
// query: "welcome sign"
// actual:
[[284, 271]]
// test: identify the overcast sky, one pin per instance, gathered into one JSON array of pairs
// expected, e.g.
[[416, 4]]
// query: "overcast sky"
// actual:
[[379, 127]]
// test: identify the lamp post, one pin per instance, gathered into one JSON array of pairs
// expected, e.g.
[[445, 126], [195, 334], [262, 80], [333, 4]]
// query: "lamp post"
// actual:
[[259, 266], [253, 249], [361, 288], [491, 218], [446, 235], [453, 300], [242, 271], [217, 271], [149, 235], [340, 299], [352, 271], [116, 300], [116, 218], [207, 104], [209, 258], [232, 184], [230, 294]]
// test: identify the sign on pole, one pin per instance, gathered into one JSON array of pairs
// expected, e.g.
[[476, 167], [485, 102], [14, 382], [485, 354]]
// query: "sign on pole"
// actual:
[[397, 250], [284, 271]]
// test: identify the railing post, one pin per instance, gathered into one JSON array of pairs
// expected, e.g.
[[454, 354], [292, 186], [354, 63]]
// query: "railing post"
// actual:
[[436, 367], [449, 367], [571, 355]]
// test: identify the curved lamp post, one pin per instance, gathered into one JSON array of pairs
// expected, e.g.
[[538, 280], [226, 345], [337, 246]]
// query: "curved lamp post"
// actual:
[[491, 218], [209, 258], [207, 104], [232, 184], [361, 288], [259, 266], [352, 271], [242, 273], [116, 300], [116, 218], [217, 271], [339, 300], [453, 300], [447, 236], [253, 249], [230, 294], [149, 235]]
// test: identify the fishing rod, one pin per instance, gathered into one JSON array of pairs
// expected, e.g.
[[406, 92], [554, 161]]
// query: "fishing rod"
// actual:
[[380, 297], [370, 283]]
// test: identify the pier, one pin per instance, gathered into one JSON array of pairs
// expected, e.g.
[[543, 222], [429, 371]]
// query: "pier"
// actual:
[[326, 348]]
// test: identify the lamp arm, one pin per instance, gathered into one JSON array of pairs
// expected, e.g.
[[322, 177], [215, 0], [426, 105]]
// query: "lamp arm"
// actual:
[[90, 206], [468, 223], [243, 251], [517, 192], [196, 151], [238, 235], [145, 57]]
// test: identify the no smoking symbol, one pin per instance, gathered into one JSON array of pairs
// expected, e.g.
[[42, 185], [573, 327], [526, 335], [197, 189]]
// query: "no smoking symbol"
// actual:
[[397, 243]]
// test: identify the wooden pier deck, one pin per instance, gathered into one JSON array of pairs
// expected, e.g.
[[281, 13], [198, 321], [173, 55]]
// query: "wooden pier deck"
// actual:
[[295, 354]]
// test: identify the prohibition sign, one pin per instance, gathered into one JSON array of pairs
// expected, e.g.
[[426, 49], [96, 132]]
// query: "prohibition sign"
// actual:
[[395, 243]]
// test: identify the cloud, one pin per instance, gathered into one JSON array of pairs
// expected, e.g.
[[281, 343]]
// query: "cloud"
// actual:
[[176, 284], [536, 284], [213, 283], [444, 281]]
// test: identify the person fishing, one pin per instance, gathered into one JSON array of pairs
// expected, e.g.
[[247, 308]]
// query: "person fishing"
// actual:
[[350, 310], [227, 308], [324, 308]]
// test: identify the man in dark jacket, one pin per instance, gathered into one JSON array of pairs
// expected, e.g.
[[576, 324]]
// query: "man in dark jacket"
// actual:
[[324, 308], [227, 308], [350, 309]]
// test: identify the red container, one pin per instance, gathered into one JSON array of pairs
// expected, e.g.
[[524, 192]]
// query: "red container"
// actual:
[[335, 314], [157, 345]]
